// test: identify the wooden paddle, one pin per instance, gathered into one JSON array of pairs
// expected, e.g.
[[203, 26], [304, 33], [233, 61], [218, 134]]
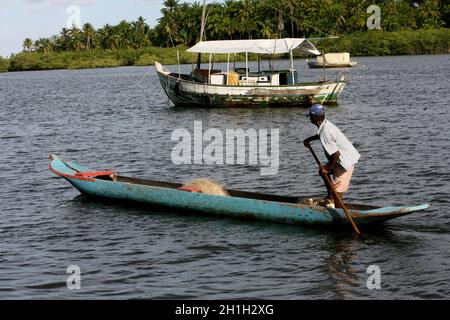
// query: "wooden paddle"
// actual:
[[328, 182]]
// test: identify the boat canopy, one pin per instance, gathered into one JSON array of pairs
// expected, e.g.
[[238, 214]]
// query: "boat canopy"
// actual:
[[260, 46]]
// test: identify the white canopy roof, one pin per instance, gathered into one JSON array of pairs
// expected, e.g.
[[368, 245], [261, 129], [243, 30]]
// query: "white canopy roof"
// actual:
[[261, 46]]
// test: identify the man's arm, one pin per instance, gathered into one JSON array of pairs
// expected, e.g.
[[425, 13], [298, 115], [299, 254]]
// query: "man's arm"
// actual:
[[331, 163], [308, 140]]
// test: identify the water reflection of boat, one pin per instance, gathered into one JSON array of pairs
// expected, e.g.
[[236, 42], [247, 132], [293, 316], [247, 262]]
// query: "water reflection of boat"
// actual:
[[239, 204], [241, 87]]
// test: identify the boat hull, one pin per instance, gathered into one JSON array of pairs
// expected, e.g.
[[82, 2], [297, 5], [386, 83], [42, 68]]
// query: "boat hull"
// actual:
[[186, 93], [314, 65], [166, 195]]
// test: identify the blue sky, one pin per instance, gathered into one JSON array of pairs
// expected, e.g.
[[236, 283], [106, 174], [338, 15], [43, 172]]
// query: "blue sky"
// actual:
[[20, 19]]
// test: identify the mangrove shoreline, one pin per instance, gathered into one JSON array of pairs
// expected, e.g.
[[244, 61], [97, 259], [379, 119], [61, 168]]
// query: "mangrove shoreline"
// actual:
[[367, 43]]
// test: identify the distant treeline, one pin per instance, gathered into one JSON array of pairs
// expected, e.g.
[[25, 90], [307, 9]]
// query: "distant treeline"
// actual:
[[370, 43], [408, 27], [248, 19], [380, 43], [253, 19]]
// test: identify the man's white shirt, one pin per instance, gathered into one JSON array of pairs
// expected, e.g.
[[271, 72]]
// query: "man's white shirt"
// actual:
[[334, 140]]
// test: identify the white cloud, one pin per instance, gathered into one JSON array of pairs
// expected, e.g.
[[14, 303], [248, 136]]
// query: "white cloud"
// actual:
[[5, 3], [52, 4], [8, 39], [60, 2]]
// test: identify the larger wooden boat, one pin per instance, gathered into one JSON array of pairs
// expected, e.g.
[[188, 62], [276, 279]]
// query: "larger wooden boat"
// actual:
[[242, 87], [240, 204]]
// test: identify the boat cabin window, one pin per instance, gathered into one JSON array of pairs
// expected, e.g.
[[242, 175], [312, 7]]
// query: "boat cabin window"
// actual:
[[283, 79], [242, 70]]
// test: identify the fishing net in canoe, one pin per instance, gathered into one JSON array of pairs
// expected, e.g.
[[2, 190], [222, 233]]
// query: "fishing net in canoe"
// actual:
[[205, 185]]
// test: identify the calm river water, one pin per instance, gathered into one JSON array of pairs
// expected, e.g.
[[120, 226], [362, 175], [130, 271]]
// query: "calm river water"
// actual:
[[395, 109]]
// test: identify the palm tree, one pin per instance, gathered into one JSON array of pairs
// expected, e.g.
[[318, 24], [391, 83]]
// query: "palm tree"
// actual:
[[27, 44], [104, 36], [288, 6], [48, 46], [43, 45], [112, 41], [168, 20], [429, 14], [337, 13], [233, 19], [140, 31], [445, 9], [88, 33], [356, 17], [183, 36], [231, 8], [170, 6], [266, 29], [76, 39], [246, 22], [406, 16], [140, 24], [64, 39]]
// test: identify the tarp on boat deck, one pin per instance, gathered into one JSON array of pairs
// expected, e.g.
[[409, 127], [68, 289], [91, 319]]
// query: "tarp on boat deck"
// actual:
[[260, 46]]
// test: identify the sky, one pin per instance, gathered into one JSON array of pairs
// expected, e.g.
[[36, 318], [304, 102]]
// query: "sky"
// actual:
[[20, 19]]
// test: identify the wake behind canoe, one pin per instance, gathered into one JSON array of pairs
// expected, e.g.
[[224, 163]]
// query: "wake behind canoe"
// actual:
[[239, 204]]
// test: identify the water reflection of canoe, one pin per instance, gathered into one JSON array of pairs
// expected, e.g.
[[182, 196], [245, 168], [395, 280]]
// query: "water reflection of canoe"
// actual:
[[241, 204]]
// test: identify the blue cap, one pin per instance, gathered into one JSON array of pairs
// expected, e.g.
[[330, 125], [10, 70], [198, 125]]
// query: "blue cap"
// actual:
[[316, 110]]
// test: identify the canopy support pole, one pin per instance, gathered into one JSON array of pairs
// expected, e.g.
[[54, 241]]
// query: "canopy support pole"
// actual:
[[259, 64], [228, 69], [324, 61], [199, 61], [292, 67], [209, 68], [246, 65], [178, 60], [272, 67]]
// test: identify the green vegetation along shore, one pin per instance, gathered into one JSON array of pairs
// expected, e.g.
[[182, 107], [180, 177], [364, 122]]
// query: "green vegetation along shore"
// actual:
[[4, 65], [369, 43], [408, 27]]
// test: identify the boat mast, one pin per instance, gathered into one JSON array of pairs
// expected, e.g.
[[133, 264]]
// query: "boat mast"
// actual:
[[202, 31]]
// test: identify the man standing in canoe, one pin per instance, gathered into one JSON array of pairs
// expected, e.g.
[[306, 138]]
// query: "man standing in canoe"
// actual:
[[341, 154]]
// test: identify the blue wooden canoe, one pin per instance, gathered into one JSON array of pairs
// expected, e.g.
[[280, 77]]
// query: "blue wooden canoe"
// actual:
[[240, 204]]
